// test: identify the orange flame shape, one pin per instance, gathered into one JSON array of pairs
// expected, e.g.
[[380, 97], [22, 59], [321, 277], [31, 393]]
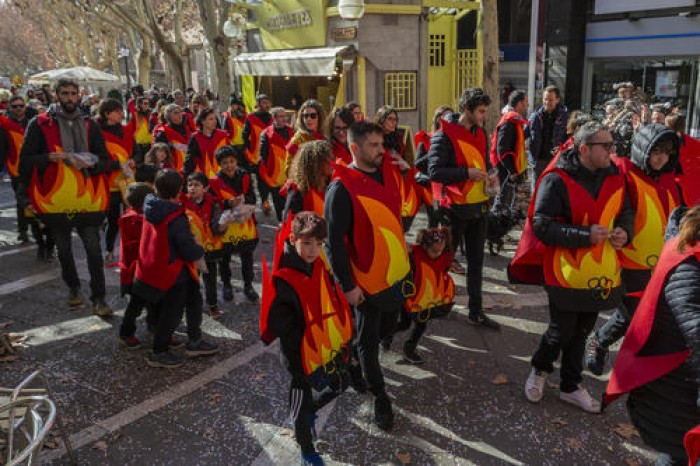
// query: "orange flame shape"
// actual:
[[432, 292], [389, 261], [410, 201], [65, 190], [649, 226], [12, 160], [210, 167], [574, 268], [272, 172], [326, 334], [473, 189], [202, 234]]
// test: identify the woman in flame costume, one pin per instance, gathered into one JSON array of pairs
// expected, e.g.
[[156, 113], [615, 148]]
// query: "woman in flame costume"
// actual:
[[367, 250], [337, 125], [175, 132], [203, 145], [431, 257], [583, 216], [305, 308], [204, 214], [308, 125], [119, 140], [273, 155], [232, 187], [650, 176], [309, 176], [659, 361], [234, 118]]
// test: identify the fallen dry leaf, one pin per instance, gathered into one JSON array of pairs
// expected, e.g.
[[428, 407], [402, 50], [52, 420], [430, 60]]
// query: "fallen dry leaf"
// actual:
[[52, 444], [100, 446], [214, 398], [500, 379], [574, 443], [404, 458], [5, 324], [625, 430], [9, 358], [560, 421], [632, 462], [287, 432]]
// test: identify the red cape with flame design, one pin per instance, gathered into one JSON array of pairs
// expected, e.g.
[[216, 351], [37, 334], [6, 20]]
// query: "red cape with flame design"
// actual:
[[177, 142], [200, 222], [206, 162], [434, 286], [519, 155], [119, 150], [15, 136], [272, 170], [238, 234], [252, 153]]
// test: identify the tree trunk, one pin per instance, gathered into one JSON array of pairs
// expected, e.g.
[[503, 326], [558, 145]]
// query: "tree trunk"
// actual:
[[213, 15], [489, 34], [143, 62]]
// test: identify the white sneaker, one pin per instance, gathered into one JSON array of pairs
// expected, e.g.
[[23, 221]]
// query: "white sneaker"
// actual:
[[582, 399], [534, 386]]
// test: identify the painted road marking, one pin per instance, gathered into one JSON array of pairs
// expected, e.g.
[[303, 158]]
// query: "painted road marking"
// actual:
[[28, 282], [10, 252]]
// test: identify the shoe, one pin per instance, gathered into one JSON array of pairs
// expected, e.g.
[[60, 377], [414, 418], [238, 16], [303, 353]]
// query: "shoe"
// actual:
[[312, 459], [266, 208], [75, 299], [130, 342], [228, 292], [100, 308], [201, 348], [215, 313], [251, 294], [479, 318], [534, 386], [357, 381], [595, 356], [176, 342], [383, 415], [582, 399], [41, 252], [411, 355], [385, 344], [456, 267], [23, 237], [49, 254], [165, 360]]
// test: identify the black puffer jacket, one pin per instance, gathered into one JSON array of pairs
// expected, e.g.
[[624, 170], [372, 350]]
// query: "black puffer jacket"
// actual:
[[553, 225], [665, 409], [645, 140]]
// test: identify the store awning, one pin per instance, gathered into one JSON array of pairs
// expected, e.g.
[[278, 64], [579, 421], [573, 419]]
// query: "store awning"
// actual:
[[299, 62]]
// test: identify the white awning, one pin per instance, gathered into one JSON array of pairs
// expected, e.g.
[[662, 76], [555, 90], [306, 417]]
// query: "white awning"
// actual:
[[299, 62]]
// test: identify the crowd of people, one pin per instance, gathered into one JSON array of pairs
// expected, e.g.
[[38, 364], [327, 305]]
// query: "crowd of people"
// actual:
[[178, 183]]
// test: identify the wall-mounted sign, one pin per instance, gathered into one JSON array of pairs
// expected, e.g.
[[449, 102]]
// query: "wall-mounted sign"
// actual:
[[289, 20], [338, 34], [292, 24]]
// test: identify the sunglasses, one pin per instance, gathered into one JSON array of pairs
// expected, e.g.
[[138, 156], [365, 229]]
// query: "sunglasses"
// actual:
[[17, 106], [313, 116], [604, 145]]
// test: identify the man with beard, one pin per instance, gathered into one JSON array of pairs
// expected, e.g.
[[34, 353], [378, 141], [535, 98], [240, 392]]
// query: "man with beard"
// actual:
[[64, 154]]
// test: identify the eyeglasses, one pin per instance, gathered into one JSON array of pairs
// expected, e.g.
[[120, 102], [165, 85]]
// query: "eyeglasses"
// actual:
[[340, 129], [313, 116], [392, 118], [604, 145], [17, 106]]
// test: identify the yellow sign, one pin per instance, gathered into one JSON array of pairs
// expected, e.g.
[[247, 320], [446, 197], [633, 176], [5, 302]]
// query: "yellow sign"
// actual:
[[292, 24]]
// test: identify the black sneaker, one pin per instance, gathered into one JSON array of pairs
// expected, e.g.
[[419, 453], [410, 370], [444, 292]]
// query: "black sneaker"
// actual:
[[228, 292], [595, 356], [215, 313], [130, 342], [385, 344], [75, 299], [357, 381], [479, 318], [201, 348], [251, 294], [23, 237], [165, 360], [383, 415], [41, 252], [411, 355]]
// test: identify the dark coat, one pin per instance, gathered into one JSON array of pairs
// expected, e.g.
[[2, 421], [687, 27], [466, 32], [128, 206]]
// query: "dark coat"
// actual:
[[665, 409], [537, 131], [645, 140]]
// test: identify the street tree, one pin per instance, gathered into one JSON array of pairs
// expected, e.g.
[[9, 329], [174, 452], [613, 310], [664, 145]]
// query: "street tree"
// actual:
[[489, 34]]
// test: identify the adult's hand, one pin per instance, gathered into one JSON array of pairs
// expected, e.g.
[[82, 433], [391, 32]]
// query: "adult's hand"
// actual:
[[56, 156], [355, 296], [599, 233], [477, 174]]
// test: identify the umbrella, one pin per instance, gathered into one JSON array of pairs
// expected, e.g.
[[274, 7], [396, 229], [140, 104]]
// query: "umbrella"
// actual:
[[82, 74]]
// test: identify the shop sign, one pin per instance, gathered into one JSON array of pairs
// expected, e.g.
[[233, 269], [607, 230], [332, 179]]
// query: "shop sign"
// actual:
[[625, 6], [338, 34], [292, 24]]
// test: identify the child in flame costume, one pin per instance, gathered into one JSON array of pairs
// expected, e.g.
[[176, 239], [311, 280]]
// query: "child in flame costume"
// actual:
[[273, 157], [204, 143], [232, 188], [583, 217], [305, 308], [650, 177], [309, 176], [435, 290], [204, 214]]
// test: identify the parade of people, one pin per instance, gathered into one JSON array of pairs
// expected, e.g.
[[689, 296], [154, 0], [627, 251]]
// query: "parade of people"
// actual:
[[337, 259]]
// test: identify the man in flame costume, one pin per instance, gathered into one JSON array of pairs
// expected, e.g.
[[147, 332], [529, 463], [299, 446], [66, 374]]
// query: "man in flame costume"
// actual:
[[367, 250], [582, 218], [67, 196], [273, 157], [305, 308], [650, 175]]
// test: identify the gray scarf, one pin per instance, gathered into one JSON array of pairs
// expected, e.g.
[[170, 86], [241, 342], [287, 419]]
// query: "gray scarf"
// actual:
[[73, 130]]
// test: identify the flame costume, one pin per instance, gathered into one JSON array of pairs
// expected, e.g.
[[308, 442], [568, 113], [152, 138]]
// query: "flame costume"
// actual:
[[177, 137], [508, 143], [234, 127], [658, 362], [341, 153], [311, 200], [200, 152], [690, 164], [305, 308], [272, 172], [253, 127], [11, 139]]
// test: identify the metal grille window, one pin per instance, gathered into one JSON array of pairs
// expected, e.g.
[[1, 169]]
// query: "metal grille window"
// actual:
[[468, 70], [400, 89], [436, 49]]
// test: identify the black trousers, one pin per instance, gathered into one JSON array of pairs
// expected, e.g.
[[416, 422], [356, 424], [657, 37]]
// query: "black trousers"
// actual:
[[90, 236], [246, 256], [113, 214], [473, 232], [42, 235], [277, 200], [209, 279], [616, 327], [375, 320], [566, 334], [22, 220], [183, 296], [132, 312]]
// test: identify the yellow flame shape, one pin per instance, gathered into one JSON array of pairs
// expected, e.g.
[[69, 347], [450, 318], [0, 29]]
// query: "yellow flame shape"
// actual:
[[72, 192]]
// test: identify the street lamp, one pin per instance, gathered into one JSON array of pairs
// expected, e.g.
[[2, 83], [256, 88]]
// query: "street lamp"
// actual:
[[124, 53], [351, 9]]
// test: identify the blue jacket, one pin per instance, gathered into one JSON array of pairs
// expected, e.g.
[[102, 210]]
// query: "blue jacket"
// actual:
[[537, 128]]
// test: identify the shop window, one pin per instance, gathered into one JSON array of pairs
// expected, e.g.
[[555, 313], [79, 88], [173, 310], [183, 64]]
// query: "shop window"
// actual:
[[400, 89], [436, 49]]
